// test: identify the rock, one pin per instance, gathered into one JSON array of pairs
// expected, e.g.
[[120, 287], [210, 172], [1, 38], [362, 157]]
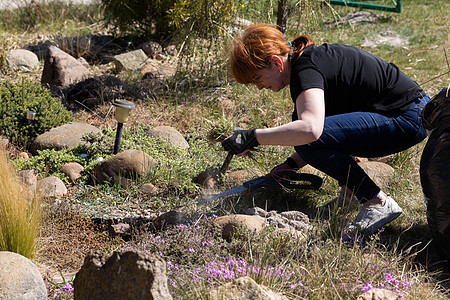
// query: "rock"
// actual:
[[171, 50], [290, 220], [124, 167], [169, 135], [227, 105], [311, 170], [22, 58], [121, 275], [354, 18], [385, 38], [72, 170], [152, 49], [132, 61], [229, 225], [20, 278], [208, 179], [83, 61], [61, 69], [149, 189], [149, 71], [378, 294], [50, 187], [360, 159], [65, 136], [121, 229], [379, 172], [24, 155], [238, 177], [243, 288], [27, 177], [170, 218], [4, 141]]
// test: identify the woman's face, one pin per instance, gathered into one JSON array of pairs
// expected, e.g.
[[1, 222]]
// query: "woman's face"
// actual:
[[272, 78]]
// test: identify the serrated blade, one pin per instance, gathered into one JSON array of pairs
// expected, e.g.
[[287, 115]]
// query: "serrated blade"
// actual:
[[232, 191]]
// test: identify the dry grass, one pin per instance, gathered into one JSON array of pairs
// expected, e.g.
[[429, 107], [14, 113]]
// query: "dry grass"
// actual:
[[19, 216]]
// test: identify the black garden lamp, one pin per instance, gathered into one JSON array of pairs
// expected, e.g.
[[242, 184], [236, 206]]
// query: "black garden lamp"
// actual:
[[123, 108]]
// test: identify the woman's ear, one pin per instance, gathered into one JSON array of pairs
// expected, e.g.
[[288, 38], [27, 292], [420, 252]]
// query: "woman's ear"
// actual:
[[278, 62]]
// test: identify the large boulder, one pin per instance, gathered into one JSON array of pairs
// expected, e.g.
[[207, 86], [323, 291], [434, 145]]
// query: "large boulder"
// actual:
[[20, 278], [122, 168], [65, 136], [122, 275], [62, 69]]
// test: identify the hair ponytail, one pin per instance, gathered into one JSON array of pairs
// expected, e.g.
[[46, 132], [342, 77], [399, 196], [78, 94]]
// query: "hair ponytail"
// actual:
[[300, 43]]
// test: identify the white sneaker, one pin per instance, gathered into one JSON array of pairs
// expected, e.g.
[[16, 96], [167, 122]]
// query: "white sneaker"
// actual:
[[371, 218], [340, 201]]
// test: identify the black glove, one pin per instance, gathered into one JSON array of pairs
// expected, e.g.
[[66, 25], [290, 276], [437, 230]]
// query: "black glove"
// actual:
[[240, 141]]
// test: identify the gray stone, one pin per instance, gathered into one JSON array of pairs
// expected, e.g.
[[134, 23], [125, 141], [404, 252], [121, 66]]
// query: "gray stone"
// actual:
[[169, 135], [170, 218], [230, 225], [379, 172], [378, 294], [290, 220], [64, 136], [132, 61], [239, 176], [122, 276], [62, 69], [385, 38], [152, 49], [22, 58], [51, 187], [124, 167], [72, 170], [148, 189], [20, 278], [243, 288]]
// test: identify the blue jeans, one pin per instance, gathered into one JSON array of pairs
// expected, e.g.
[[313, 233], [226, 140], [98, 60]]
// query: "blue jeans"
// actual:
[[363, 134]]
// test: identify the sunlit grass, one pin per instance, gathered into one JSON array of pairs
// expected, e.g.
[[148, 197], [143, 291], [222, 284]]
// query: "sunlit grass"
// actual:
[[19, 216]]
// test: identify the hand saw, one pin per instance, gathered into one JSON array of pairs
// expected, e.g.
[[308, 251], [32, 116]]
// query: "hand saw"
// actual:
[[263, 181]]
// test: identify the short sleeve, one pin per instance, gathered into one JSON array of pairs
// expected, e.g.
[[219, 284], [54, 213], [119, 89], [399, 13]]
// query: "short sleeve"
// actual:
[[306, 79]]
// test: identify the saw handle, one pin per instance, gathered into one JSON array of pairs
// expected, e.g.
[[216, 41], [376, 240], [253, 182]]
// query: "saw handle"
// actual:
[[315, 182]]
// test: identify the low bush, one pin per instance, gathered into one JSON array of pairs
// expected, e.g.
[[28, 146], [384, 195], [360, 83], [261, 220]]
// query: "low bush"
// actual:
[[18, 98]]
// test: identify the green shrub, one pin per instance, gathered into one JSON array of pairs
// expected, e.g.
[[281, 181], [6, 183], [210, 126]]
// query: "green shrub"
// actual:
[[164, 17], [18, 98]]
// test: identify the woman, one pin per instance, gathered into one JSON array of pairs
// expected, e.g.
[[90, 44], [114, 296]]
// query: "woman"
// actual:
[[347, 103]]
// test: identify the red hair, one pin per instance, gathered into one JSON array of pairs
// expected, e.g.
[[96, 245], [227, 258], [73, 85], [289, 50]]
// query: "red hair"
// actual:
[[253, 50]]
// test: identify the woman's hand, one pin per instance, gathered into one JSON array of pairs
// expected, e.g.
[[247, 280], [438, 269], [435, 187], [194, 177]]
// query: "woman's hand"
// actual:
[[283, 170], [240, 141]]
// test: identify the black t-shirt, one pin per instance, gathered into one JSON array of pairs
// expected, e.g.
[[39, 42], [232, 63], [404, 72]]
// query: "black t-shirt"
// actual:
[[352, 80]]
